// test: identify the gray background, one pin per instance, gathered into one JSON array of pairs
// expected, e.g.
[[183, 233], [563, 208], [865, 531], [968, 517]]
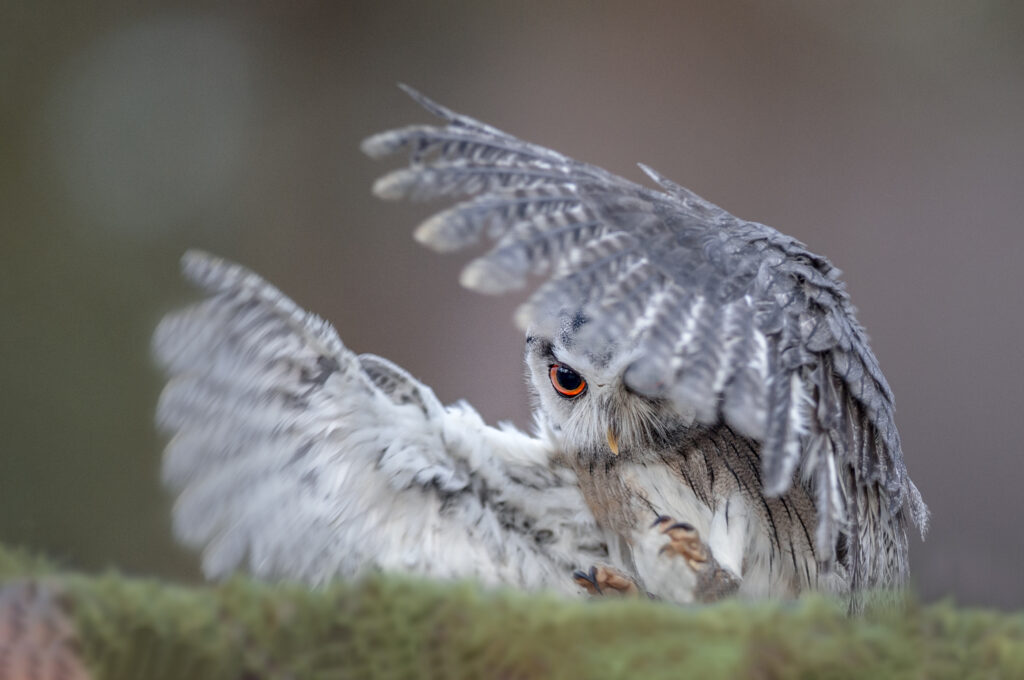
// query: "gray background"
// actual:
[[887, 136]]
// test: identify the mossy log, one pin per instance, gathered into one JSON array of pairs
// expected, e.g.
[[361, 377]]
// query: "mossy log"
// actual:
[[55, 623]]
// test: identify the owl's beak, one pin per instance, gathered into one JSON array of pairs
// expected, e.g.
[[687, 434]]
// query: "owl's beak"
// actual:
[[613, 442]]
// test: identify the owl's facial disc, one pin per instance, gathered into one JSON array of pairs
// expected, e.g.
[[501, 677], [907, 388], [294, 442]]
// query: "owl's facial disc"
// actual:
[[581, 396], [569, 384]]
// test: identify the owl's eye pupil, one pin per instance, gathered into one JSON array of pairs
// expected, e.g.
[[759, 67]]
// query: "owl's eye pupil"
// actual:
[[566, 381]]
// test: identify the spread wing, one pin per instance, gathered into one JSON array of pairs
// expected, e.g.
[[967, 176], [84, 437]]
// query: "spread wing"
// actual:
[[735, 320], [295, 458]]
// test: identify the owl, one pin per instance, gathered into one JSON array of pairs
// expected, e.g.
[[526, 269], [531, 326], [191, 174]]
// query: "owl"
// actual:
[[709, 418]]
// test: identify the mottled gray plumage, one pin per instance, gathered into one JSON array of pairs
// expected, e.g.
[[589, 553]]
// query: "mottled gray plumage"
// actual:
[[731, 431], [734, 320]]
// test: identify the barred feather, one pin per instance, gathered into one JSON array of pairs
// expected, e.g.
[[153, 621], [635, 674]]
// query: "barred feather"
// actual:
[[669, 323], [459, 178], [698, 358], [462, 224], [506, 266], [580, 283], [423, 140]]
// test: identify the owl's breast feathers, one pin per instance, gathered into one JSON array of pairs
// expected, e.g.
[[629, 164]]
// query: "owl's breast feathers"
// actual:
[[711, 477]]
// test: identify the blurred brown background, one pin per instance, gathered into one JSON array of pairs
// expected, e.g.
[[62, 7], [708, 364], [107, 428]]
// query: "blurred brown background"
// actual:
[[887, 136]]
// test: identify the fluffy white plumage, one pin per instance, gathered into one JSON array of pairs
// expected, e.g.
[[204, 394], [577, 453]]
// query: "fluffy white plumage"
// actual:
[[295, 458]]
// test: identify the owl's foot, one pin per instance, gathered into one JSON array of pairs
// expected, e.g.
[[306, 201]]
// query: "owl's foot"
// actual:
[[604, 581], [712, 581], [684, 541]]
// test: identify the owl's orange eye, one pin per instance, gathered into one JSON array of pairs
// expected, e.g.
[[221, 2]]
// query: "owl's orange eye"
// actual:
[[566, 381]]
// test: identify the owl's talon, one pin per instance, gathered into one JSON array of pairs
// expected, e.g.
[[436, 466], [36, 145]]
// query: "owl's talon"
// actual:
[[588, 581], [601, 578], [683, 540], [660, 519]]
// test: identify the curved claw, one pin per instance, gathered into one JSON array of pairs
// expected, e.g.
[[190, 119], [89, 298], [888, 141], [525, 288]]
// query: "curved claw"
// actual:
[[588, 580], [605, 581], [683, 540], [660, 519]]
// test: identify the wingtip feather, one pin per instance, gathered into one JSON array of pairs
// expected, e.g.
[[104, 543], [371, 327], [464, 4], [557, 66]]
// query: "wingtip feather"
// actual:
[[379, 145], [435, 234], [482, 276], [195, 259], [392, 186], [428, 103], [206, 270]]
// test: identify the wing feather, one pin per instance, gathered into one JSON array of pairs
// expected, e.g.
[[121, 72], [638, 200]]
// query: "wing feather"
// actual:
[[734, 320], [294, 458]]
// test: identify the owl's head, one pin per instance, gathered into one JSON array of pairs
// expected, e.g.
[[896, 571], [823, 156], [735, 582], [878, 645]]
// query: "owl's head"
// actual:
[[581, 396]]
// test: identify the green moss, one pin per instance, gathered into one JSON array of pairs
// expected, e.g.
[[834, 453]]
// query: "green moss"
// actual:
[[18, 562], [398, 627]]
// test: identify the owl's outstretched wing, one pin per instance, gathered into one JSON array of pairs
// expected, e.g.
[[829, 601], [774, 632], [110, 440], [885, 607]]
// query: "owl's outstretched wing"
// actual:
[[733, 320], [295, 458]]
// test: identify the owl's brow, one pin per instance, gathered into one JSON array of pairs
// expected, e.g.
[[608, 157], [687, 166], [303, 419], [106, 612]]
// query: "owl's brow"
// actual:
[[540, 345]]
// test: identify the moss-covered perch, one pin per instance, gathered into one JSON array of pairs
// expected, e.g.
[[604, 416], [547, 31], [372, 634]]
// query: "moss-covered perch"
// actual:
[[398, 627]]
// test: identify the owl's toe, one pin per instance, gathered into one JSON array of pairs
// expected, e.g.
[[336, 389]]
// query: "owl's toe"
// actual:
[[605, 580], [683, 540], [588, 580]]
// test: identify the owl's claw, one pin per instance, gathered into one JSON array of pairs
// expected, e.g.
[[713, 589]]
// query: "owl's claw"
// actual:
[[598, 579], [661, 519], [683, 540], [588, 580], [705, 579]]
